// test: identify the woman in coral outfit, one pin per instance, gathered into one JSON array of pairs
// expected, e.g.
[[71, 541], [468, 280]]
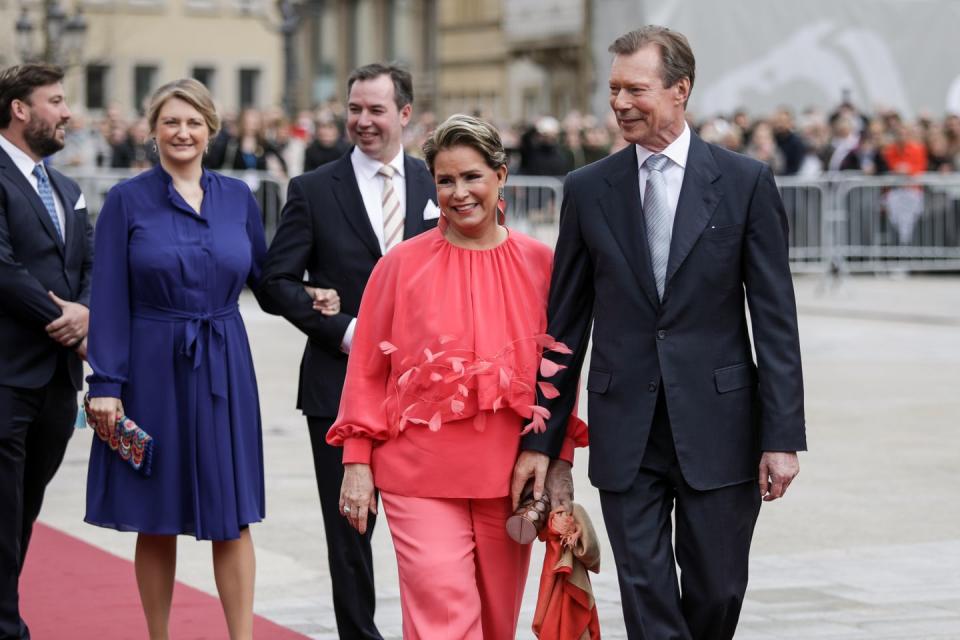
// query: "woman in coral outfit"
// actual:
[[440, 385]]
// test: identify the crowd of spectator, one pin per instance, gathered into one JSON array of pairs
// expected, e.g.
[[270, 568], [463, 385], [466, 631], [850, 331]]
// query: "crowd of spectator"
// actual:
[[806, 144]]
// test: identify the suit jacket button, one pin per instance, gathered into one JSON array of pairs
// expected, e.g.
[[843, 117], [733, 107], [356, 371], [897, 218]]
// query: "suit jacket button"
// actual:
[[661, 334], [652, 387]]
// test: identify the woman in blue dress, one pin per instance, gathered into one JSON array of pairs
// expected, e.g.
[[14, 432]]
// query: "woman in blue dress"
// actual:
[[174, 248]]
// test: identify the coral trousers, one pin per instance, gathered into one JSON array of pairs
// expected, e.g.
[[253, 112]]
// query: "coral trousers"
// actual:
[[461, 577]]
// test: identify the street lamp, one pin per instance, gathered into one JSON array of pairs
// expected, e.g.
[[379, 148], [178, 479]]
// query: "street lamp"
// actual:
[[24, 29], [289, 22], [63, 35], [287, 27]]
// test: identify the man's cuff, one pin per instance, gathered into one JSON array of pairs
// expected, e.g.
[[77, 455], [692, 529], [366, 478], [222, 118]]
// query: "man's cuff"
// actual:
[[357, 450], [347, 342]]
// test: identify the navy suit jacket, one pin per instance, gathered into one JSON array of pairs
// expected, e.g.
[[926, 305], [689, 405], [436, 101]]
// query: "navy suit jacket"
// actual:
[[325, 231], [33, 261], [729, 244]]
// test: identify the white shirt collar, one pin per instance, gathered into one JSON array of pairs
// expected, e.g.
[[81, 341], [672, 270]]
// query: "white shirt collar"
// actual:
[[20, 158], [368, 166], [677, 151]]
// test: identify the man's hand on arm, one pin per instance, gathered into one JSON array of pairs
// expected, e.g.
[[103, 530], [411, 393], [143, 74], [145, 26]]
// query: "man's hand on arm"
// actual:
[[326, 301], [777, 471], [559, 485], [71, 327]]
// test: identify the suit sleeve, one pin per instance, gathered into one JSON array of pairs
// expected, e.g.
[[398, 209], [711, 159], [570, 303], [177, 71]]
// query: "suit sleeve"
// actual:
[[23, 295], [281, 289], [108, 348], [569, 315], [258, 244], [773, 314], [362, 419]]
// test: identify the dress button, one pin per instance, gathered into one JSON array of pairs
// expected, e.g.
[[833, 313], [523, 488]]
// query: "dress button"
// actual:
[[661, 334], [652, 387]]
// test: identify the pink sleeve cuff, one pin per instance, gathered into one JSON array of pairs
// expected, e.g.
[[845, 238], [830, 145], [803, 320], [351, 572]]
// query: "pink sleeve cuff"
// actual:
[[357, 450]]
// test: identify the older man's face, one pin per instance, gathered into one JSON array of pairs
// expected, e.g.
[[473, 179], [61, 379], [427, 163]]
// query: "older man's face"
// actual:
[[648, 113]]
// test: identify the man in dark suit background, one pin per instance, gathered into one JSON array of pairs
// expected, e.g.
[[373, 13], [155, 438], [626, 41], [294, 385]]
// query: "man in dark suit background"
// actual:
[[658, 245], [45, 260], [338, 221]]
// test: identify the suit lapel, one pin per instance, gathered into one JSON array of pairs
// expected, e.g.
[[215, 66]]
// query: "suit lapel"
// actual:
[[699, 196], [418, 192], [347, 193], [14, 175], [621, 206]]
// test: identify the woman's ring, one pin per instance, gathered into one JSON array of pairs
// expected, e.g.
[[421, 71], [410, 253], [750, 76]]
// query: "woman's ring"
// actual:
[[346, 509]]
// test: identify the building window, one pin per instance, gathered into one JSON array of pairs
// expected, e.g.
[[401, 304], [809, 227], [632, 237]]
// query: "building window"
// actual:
[[326, 40], [144, 82], [205, 76], [250, 7], [249, 87], [96, 86]]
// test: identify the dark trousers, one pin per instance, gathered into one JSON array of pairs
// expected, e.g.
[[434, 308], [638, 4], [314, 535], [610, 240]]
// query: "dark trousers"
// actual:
[[35, 426], [349, 553], [713, 534]]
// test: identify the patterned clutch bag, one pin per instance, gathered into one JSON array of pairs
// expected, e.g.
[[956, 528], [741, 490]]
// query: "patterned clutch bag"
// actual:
[[132, 444]]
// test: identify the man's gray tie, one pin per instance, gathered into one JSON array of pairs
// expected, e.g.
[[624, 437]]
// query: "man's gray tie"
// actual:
[[656, 214], [392, 220], [46, 195]]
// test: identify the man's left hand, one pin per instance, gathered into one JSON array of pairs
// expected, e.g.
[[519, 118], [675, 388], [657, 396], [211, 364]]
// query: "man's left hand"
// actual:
[[559, 485], [777, 471], [71, 327]]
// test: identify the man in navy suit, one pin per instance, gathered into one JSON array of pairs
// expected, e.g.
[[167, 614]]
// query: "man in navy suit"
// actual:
[[660, 246], [338, 221], [45, 260]]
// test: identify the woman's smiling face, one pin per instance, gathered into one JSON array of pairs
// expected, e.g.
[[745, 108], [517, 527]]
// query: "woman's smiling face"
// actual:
[[467, 190]]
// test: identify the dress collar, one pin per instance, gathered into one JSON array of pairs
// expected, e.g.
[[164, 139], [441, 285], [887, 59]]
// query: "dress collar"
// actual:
[[168, 179]]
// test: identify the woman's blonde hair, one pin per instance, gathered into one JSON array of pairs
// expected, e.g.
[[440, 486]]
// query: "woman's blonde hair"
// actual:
[[190, 91], [463, 130]]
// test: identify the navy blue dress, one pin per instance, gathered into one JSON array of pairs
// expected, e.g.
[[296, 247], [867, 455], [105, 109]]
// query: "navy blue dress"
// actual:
[[167, 338]]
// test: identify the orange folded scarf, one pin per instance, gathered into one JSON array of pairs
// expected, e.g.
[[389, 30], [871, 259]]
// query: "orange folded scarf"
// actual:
[[566, 609]]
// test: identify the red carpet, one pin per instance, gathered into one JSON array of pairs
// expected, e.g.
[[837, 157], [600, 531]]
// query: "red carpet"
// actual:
[[70, 589]]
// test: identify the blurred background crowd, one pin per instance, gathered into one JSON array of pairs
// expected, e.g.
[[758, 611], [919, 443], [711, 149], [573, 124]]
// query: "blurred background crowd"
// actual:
[[805, 143]]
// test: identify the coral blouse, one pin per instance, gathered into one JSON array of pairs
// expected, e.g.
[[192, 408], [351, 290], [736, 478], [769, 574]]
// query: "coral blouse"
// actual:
[[442, 372]]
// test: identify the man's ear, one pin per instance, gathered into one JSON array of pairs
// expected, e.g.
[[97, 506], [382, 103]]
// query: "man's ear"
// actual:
[[682, 88], [405, 113], [18, 110]]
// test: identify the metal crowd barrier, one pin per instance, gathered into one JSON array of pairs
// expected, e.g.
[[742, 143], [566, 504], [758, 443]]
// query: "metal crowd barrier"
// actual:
[[533, 203], [269, 191], [838, 223], [854, 223], [533, 206]]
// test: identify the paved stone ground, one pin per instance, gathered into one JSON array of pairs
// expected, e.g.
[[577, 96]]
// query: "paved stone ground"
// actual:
[[865, 547]]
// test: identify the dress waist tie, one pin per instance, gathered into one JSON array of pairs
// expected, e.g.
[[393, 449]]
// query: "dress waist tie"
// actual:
[[204, 334]]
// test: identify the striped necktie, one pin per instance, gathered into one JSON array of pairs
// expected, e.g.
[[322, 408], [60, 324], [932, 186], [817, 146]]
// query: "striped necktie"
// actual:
[[392, 218], [656, 214], [46, 195]]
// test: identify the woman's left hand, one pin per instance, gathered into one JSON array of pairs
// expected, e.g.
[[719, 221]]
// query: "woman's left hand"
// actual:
[[530, 464], [326, 301], [357, 496]]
